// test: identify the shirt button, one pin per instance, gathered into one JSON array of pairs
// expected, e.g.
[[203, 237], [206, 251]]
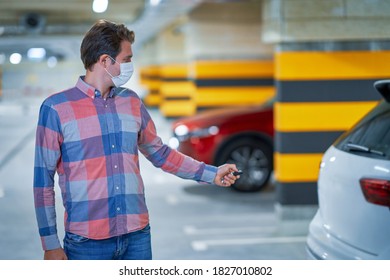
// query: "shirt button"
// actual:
[[115, 166], [117, 187], [106, 105], [118, 208], [113, 146]]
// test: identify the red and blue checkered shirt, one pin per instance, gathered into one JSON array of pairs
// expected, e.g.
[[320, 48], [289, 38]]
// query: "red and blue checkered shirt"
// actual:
[[93, 144]]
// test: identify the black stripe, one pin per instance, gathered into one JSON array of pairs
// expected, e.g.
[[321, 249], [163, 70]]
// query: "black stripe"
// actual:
[[176, 98], [304, 193], [150, 77], [304, 142], [234, 82], [211, 107], [331, 46], [327, 91], [175, 79]]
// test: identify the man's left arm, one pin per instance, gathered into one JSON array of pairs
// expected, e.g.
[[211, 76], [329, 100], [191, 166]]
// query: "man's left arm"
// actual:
[[174, 162]]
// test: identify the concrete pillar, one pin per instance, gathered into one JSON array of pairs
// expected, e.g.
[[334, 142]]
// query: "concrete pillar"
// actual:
[[150, 80], [222, 60], [233, 82], [328, 54], [165, 74], [229, 30]]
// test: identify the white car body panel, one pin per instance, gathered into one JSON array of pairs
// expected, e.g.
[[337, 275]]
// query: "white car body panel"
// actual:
[[346, 226]]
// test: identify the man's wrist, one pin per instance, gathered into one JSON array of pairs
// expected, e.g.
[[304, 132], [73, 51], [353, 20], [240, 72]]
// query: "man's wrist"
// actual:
[[209, 174]]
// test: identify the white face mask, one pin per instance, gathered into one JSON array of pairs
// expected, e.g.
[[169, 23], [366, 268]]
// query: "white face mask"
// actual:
[[126, 71]]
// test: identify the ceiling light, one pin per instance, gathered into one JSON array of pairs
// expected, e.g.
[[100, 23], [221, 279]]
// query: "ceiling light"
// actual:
[[15, 58], [52, 62], [155, 2], [99, 6], [36, 53]]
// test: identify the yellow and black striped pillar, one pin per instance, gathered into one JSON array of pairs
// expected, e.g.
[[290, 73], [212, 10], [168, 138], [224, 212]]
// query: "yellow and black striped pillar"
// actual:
[[150, 79], [233, 83], [320, 94], [177, 91]]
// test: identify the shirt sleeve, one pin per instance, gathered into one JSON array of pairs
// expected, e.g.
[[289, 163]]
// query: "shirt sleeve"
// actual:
[[170, 160], [47, 155]]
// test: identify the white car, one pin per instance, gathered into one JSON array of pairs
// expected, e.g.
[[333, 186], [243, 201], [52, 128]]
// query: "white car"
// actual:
[[353, 219]]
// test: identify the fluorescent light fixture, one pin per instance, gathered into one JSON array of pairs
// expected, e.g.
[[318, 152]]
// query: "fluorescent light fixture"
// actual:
[[52, 62], [15, 58], [99, 6], [155, 2], [36, 53]]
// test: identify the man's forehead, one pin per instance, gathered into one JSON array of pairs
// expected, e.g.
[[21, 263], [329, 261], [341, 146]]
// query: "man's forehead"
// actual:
[[126, 50]]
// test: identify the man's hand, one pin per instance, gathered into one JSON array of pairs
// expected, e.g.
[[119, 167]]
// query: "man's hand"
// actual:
[[224, 177], [56, 254]]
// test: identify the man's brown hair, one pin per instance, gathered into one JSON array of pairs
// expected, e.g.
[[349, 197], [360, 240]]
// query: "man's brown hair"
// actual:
[[104, 37]]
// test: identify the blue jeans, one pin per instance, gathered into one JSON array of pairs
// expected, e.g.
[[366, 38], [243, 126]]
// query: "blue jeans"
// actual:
[[131, 246]]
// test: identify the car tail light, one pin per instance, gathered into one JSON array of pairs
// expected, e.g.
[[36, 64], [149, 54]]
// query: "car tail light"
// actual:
[[376, 191]]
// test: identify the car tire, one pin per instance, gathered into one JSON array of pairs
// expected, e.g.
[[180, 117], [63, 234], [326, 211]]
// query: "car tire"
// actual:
[[253, 157]]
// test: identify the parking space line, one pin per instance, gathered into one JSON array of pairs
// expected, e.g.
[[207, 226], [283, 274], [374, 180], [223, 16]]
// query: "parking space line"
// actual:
[[173, 199], [17, 148], [191, 230], [203, 245]]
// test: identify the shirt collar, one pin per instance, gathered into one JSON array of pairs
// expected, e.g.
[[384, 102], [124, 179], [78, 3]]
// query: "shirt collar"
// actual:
[[90, 90]]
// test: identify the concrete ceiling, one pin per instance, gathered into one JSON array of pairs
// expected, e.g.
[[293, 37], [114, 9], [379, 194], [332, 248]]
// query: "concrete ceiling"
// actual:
[[58, 25], [19, 17]]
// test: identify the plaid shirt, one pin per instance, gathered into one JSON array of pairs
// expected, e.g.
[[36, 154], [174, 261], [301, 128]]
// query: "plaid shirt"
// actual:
[[93, 145]]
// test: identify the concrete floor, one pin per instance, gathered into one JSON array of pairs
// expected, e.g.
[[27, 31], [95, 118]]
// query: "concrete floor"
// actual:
[[188, 220]]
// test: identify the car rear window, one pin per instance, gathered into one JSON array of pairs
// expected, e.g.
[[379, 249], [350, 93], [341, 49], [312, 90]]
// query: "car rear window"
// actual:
[[370, 137]]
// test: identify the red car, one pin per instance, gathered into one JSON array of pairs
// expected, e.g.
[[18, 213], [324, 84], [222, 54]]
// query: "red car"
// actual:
[[243, 136]]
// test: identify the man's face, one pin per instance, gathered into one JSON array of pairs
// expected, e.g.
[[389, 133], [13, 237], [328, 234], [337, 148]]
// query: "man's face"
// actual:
[[123, 56], [126, 52]]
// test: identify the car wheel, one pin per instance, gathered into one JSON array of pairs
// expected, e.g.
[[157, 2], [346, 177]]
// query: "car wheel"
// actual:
[[254, 158]]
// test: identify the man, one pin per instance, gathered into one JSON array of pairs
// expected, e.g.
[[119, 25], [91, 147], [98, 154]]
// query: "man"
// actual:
[[90, 135]]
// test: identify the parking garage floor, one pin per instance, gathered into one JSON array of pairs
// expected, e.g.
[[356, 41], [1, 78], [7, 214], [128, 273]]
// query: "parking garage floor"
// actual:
[[188, 220]]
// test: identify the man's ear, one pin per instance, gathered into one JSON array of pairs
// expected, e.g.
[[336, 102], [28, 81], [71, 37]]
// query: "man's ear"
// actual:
[[104, 59]]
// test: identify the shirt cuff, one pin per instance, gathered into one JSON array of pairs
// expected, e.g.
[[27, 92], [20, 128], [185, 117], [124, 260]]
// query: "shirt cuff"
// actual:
[[50, 242], [209, 173]]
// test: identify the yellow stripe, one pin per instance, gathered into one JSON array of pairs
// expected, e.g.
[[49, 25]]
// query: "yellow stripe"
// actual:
[[177, 89], [313, 116], [178, 108], [150, 79], [338, 65], [150, 70], [174, 71], [297, 167], [151, 84], [234, 69], [149, 73], [222, 96], [152, 99]]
